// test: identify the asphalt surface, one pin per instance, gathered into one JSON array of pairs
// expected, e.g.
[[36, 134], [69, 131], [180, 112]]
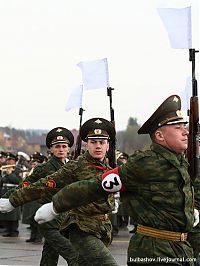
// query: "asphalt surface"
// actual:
[[15, 251]]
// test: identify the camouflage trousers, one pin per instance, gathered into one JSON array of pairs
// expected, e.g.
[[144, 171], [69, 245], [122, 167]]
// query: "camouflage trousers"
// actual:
[[56, 244], [92, 250]]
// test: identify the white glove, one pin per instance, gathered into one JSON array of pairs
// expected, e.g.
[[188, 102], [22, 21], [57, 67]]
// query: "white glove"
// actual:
[[45, 213], [5, 205], [116, 207], [196, 217]]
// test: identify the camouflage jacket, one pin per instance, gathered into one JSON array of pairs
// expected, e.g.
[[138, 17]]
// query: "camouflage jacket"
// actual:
[[197, 199], [90, 218], [158, 183], [158, 194]]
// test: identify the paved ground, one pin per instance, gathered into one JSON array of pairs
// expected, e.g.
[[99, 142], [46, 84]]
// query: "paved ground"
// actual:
[[15, 251]]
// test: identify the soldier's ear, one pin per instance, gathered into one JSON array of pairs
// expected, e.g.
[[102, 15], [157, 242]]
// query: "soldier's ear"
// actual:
[[159, 135]]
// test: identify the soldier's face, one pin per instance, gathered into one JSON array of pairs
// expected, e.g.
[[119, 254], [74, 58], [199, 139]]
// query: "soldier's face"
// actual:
[[97, 148], [60, 150], [10, 161], [2, 160], [174, 137]]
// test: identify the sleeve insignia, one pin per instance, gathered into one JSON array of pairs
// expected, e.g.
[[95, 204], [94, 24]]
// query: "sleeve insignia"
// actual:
[[51, 183], [25, 184]]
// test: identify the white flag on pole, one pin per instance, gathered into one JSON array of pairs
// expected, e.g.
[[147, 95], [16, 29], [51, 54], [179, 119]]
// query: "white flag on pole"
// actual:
[[95, 74], [177, 22], [75, 98]]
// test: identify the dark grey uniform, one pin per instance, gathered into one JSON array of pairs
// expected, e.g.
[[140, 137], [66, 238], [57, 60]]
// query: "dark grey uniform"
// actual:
[[11, 219]]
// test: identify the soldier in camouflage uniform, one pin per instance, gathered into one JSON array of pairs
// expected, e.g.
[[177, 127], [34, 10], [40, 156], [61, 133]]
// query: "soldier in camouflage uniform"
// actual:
[[156, 187], [89, 227], [58, 140], [194, 235]]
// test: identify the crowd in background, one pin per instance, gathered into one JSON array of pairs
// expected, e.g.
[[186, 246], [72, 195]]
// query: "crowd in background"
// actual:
[[14, 168]]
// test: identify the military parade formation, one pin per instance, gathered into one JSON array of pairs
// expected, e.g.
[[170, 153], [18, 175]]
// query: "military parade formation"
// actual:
[[78, 196], [72, 202]]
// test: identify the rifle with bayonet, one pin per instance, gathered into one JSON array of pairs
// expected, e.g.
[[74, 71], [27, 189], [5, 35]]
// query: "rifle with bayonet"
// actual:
[[112, 149], [193, 138], [77, 149]]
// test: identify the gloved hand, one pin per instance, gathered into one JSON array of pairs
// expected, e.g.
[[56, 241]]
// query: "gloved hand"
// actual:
[[196, 217], [45, 213], [116, 207], [5, 205]]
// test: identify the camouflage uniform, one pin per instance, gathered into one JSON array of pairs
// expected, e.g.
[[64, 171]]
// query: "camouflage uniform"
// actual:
[[194, 235], [54, 243], [158, 194], [89, 227], [156, 188]]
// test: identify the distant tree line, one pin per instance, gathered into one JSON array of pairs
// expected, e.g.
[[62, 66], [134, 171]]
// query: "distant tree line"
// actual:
[[128, 140]]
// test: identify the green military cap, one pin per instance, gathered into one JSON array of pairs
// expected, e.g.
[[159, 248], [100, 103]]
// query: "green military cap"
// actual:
[[59, 135], [169, 112], [97, 128]]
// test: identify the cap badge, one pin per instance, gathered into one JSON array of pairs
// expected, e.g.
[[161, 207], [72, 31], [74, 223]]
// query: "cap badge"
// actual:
[[97, 131], [178, 112], [59, 138], [98, 121], [175, 99], [59, 130]]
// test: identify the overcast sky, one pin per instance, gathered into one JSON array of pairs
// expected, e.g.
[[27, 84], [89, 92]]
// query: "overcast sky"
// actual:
[[41, 42]]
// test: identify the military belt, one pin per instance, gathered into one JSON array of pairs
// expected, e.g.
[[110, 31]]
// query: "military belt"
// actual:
[[101, 217], [163, 234]]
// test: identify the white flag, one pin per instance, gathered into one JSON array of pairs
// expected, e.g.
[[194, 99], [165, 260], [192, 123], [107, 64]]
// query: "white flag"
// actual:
[[178, 25], [75, 98], [185, 95], [95, 74]]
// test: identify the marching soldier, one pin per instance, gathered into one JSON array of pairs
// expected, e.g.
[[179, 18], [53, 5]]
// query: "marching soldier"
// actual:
[[156, 187], [194, 235], [89, 227], [58, 141]]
